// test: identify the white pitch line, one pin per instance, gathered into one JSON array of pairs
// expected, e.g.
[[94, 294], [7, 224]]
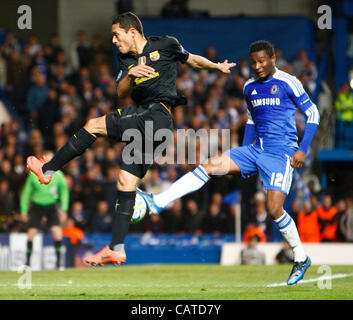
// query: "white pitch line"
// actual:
[[335, 276]]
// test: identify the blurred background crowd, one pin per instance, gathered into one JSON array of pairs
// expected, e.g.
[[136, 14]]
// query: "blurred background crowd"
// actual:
[[55, 92]]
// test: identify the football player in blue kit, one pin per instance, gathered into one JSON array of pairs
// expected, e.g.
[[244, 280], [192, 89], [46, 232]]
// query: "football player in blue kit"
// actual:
[[270, 147]]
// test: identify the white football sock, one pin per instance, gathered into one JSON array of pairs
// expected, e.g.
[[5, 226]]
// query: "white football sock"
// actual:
[[290, 233], [188, 183]]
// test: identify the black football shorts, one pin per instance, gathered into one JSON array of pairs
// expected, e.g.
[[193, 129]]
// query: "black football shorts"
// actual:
[[145, 122], [37, 213]]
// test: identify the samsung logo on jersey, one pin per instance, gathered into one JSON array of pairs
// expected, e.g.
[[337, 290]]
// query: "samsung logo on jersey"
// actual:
[[266, 102]]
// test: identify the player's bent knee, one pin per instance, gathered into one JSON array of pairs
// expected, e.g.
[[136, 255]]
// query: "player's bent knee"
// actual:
[[127, 181], [275, 210], [96, 126]]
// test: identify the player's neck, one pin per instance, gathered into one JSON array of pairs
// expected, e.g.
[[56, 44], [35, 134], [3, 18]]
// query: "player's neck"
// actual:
[[139, 45]]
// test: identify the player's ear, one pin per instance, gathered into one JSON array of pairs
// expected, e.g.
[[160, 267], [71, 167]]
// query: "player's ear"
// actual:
[[273, 60]]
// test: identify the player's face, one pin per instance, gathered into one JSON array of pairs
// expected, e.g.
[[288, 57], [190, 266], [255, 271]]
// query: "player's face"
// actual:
[[122, 39], [263, 64]]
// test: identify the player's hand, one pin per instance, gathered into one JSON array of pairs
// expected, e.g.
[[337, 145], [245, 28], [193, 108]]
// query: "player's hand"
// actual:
[[141, 70], [24, 218], [225, 66], [297, 159]]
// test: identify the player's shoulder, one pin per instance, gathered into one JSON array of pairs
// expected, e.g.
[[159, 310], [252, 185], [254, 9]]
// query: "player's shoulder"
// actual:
[[125, 57], [290, 81], [164, 41], [248, 84], [59, 174]]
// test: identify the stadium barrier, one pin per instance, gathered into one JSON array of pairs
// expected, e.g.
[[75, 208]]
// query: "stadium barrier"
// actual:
[[146, 248], [13, 252], [320, 253]]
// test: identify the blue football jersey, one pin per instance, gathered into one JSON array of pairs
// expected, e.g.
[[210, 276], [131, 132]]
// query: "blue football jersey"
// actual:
[[271, 109]]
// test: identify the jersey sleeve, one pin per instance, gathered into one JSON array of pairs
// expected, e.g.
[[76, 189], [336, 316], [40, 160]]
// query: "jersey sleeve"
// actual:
[[250, 133], [301, 99], [176, 49], [64, 193], [123, 69], [26, 195]]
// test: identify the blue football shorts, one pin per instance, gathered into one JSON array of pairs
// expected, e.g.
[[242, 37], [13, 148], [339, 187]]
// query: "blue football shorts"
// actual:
[[274, 168]]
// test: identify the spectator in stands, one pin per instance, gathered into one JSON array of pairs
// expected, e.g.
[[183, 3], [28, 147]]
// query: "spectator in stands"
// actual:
[[78, 215], [11, 44], [80, 51], [6, 200], [15, 70], [34, 45], [102, 219], [308, 224], [285, 255], [251, 254], [193, 217], [37, 96], [3, 70], [175, 8], [244, 68], [173, 218], [215, 221], [281, 63], [328, 220], [252, 229], [346, 222], [302, 64], [75, 235], [260, 216], [344, 104]]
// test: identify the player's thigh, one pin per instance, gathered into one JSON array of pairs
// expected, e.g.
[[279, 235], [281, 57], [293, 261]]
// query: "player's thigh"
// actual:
[[276, 172], [127, 181], [237, 160], [220, 165], [53, 216], [97, 126]]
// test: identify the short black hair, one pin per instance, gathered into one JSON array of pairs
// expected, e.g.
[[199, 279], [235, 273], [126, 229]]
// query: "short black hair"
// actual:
[[262, 45], [128, 20]]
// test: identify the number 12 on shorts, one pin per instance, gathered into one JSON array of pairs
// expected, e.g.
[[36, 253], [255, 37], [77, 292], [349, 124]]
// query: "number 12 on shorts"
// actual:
[[276, 179]]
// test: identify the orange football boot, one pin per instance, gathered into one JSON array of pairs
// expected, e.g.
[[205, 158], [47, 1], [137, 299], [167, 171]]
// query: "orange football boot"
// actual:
[[106, 255], [35, 165]]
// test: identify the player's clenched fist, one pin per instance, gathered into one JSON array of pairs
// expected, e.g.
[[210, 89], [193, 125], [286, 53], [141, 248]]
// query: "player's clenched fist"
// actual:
[[297, 159]]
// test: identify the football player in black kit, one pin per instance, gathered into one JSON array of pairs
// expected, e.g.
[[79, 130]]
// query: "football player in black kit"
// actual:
[[148, 70]]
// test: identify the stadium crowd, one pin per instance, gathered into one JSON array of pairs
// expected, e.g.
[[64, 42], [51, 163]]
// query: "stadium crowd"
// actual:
[[54, 92]]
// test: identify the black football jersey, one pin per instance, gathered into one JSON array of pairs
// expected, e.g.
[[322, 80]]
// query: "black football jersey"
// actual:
[[160, 53]]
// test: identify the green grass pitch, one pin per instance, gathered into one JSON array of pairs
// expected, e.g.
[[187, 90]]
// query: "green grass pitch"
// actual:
[[178, 282]]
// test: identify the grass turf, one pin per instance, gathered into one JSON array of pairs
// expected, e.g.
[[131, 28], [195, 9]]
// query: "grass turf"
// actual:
[[175, 282]]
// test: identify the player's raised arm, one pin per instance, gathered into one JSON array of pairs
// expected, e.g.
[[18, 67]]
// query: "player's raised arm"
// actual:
[[198, 62]]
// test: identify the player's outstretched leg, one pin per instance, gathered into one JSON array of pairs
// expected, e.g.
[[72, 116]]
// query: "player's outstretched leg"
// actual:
[[190, 182], [75, 146]]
